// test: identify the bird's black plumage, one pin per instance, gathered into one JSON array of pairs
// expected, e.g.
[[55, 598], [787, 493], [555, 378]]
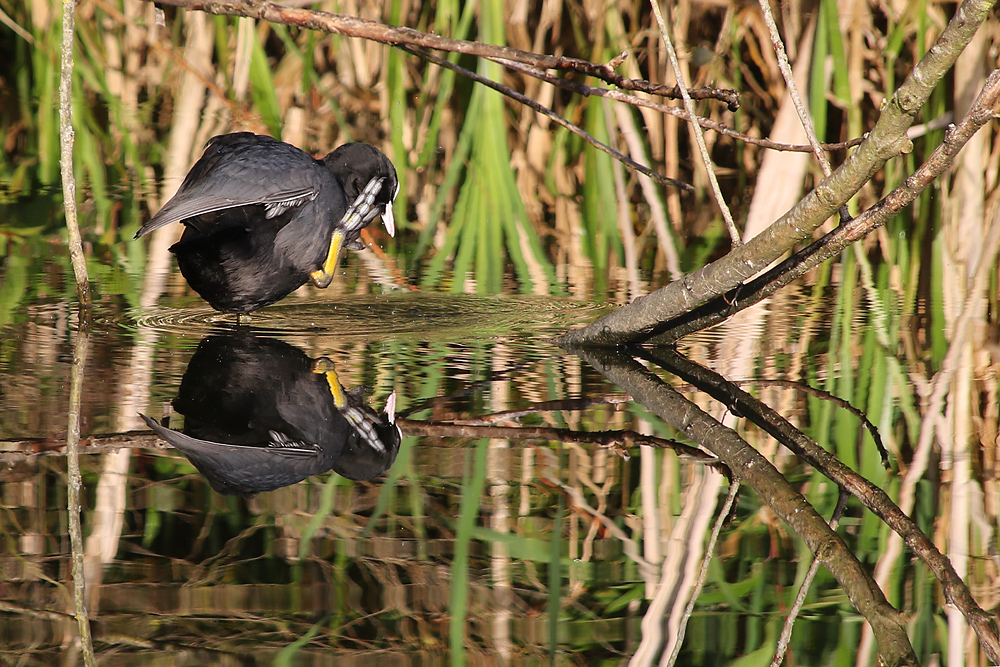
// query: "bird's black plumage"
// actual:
[[262, 217]]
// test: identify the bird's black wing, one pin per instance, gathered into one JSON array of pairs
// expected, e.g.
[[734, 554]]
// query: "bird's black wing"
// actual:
[[238, 170], [243, 469]]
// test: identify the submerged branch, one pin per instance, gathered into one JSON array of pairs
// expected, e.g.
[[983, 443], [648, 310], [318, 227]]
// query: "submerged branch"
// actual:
[[620, 441], [750, 467], [74, 483], [867, 493]]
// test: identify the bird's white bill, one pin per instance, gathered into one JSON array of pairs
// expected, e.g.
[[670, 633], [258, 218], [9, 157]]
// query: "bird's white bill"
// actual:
[[390, 408], [388, 221]]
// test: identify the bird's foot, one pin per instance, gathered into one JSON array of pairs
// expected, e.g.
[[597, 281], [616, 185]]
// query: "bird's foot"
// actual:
[[363, 210]]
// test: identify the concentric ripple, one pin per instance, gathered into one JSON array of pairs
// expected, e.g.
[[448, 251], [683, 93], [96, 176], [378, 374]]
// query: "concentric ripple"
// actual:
[[409, 315]]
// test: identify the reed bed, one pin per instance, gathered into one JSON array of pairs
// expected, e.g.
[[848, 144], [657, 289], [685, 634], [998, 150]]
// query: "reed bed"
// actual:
[[491, 190]]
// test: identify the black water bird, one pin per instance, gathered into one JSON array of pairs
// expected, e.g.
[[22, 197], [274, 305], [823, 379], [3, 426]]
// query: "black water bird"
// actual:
[[262, 217], [259, 414]]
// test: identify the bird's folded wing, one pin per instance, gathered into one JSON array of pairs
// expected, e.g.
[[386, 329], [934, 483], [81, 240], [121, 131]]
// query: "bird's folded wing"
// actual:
[[279, 445], [189, 204]]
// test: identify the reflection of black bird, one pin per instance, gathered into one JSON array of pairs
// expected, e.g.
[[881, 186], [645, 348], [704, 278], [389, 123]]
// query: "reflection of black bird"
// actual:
[[259, 414], [262, 217]]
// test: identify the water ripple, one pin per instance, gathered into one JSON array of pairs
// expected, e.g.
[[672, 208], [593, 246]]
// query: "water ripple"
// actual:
[[395, 315]]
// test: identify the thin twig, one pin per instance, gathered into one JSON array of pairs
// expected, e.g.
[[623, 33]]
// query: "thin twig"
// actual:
[[566, 404], [826, 396], [706, 159], [77, 257], [544, 110], [634, 100], [800, 598], [793, 92]]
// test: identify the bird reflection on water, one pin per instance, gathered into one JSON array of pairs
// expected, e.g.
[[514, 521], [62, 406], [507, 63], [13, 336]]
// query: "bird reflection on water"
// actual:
[[259, 414]]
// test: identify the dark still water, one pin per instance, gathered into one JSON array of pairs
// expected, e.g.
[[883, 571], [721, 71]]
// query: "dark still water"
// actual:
[[496, 526]]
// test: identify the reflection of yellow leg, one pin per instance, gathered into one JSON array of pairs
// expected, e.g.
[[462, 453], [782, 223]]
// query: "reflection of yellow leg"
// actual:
[[324, 276], [325, 367]]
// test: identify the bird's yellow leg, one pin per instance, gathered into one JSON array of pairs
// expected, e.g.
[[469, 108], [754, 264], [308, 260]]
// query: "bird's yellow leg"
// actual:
[[325, 367], [324, 276]]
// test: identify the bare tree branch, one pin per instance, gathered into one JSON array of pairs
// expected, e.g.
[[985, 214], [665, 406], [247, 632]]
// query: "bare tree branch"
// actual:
[[353, 26], [831, 245], [886, 140]]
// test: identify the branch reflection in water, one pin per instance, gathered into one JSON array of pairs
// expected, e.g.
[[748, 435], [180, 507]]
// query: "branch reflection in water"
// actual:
[[259, 414], [747, 465]]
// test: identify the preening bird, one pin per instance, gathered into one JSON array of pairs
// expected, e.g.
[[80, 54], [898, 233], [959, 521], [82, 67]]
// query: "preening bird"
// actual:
[[262, 217]]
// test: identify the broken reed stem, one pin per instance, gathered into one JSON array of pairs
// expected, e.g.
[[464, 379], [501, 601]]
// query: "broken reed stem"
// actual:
[[699, 136], [793, 93], [720, 521], [66, 161], [793, 89]]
